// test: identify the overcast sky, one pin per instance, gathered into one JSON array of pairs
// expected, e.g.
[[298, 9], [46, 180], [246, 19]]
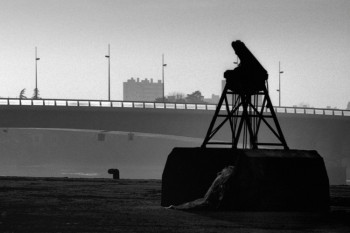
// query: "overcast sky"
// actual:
[[310, 37]]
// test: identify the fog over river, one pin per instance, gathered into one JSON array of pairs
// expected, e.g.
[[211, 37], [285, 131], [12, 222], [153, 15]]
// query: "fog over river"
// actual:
[[85, 153]]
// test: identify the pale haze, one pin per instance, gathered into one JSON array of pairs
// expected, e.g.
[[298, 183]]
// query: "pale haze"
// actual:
[[310, 39]]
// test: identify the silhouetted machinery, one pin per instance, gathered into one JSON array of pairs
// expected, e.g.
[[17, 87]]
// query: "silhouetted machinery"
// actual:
[[245, 85], [261, 178]]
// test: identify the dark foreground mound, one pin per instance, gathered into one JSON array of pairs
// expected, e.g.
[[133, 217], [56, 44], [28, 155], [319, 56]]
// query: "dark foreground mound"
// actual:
[[263, 180]]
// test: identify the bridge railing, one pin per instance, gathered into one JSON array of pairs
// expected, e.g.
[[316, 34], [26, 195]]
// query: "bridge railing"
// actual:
[[156, 105]]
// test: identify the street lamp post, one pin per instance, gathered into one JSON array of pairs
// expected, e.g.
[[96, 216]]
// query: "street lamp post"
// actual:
[[279, 83], [109, 72], [163, 65], [36, 74]]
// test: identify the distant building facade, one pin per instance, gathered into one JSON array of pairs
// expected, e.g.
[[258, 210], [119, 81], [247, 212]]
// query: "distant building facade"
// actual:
[[213, 100], [144, 90]]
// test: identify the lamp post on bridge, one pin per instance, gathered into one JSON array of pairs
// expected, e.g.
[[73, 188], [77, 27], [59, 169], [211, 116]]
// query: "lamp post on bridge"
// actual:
[[279, 83], [36, 74], [109, 72], [163, 65]]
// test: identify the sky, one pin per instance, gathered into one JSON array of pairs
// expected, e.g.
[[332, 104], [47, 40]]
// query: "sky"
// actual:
[[310, 38]]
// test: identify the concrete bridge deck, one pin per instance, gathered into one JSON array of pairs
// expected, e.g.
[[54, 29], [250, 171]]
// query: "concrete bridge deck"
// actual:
[[324, 130]]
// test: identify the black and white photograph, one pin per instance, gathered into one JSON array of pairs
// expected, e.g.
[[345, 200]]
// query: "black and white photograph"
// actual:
[[174, 116]]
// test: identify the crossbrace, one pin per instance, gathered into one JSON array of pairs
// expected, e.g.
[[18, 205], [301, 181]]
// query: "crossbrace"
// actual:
[[245, 117]]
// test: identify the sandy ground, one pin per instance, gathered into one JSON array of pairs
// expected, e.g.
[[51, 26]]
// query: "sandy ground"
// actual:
[[105, 205]]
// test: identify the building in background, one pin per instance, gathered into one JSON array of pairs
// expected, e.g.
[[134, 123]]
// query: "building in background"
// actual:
[[213, 100], [144, 90]]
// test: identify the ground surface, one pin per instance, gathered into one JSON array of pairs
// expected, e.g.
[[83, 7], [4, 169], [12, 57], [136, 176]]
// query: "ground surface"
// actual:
[[103, 205]]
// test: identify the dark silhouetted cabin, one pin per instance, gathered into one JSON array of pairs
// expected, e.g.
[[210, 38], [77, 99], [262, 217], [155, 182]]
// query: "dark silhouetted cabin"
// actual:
[[249, 77]]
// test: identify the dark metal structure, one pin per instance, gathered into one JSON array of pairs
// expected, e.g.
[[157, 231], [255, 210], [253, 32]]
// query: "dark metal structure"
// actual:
[[245, 115]]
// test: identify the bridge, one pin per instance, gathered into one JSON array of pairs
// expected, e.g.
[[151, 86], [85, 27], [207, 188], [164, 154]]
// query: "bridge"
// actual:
[[324, 130]]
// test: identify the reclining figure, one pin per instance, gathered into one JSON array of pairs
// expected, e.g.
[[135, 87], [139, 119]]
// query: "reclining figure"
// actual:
[[215, 195]]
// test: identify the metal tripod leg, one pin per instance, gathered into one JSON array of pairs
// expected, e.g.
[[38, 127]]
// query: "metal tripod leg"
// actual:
[[212, 123], [278, 127]]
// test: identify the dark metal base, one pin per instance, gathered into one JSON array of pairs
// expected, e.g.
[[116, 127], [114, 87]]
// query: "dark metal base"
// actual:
[[265, 180]]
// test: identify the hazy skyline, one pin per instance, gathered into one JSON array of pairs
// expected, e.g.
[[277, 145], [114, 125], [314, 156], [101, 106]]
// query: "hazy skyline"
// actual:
[[309, 37]]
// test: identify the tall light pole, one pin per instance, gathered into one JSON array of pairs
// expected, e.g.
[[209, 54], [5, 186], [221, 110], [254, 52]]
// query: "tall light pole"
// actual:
[[36, 74], [163, 65], [279, 83], [109, 72]]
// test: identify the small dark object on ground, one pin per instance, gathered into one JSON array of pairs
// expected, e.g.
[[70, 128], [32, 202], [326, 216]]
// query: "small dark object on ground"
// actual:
[[114, 172]]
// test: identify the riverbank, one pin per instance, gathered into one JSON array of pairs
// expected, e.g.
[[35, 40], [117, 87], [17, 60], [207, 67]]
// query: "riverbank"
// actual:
[[104, 205]]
